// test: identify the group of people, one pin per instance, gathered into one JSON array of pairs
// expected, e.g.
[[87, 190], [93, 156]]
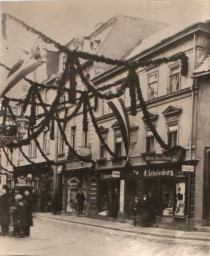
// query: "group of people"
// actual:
[[144, 210], [15, 211]]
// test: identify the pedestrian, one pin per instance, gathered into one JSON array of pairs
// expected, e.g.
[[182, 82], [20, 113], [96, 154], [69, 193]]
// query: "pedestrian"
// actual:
[[4, 211], [152, 207], [20, 216], [80, 200], [115, 203], [135, 210], [56, 203], [29, 218], [144, 209]]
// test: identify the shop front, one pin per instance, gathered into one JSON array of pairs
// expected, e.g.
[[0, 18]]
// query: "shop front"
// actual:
[[171, 189], [75, 176], [40, 178]]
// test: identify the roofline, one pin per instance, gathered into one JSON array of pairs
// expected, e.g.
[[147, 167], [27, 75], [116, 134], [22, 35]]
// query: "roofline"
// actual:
[[179, 35]]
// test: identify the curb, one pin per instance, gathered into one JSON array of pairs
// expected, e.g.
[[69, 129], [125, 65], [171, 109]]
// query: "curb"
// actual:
[[129, 231]]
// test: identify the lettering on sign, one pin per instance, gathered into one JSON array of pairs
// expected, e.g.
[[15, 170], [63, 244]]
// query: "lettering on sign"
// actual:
[[114, 174], [163, 172], [76, 165], [187, 168]]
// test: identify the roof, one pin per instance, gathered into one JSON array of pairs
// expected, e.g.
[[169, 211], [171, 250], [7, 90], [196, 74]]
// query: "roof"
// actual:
[[167, 33], [204, 67]]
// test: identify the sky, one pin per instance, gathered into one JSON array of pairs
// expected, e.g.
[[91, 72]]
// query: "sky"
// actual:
[[63, 20]]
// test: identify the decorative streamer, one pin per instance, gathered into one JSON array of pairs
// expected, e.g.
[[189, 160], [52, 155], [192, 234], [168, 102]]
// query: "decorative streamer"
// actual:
[[132, 90], [85, 121], [52, 129], [72, 81]]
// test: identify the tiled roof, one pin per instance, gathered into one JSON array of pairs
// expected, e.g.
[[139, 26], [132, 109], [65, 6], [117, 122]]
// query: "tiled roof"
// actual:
[[204, 67], [167, 33]]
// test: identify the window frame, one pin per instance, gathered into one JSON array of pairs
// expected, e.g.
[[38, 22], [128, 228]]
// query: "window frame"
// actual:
[[155, 72], [73, 136], [105, 137], [32, 149], [170, 124], [148, 148], [171, 74], [60, 144], [46, 142], [117, 134]]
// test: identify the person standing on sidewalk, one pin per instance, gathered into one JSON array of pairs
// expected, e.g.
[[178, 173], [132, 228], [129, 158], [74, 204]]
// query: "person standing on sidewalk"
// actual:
[[4, 211], [29, 219], [80, 201], [135, 210]]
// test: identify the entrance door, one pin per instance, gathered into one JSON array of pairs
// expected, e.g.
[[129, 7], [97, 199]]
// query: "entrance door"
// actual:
[[130, 193]]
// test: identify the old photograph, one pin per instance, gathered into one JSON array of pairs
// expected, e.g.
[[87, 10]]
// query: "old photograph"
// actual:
[[105, 128]]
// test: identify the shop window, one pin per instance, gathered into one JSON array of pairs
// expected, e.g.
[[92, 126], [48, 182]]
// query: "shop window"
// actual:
[[152, 86], [180, 199], [118, 143], [60, 144], [46, 142], [73, 137], [172, 135], [32, 149], [103, 151], [150, 142], [167, 198], [174, 78]]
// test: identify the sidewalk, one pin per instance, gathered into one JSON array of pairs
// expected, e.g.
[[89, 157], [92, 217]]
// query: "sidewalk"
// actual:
[[126, 227]]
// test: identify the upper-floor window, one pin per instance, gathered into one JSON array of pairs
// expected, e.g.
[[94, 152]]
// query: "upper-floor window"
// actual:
[[64, 61], [103, 151], [150, 141], [152, 86], [118, 143], [73, 137], [46, 142], [32, 149], [172, 135], [85, 138], [174, 78]]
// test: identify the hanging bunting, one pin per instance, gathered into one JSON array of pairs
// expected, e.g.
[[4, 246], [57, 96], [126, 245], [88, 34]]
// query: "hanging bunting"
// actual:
[[85, 106], [52, 129]]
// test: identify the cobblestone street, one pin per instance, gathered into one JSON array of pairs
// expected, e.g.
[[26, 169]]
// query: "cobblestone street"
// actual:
[[56, 237]]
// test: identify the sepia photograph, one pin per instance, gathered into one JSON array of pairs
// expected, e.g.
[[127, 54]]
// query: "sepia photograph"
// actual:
[[105, 128]]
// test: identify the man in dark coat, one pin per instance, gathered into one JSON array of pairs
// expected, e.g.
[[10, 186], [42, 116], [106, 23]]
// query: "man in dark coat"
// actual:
[[144, 209], [29, 219], [115, 203], [4, 212], [135, 210], [80, 200]]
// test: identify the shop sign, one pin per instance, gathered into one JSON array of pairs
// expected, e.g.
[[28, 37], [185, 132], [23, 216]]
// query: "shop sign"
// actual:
[[76, 165], [158, 157], [187, 168], [163, 172], [114, 174]]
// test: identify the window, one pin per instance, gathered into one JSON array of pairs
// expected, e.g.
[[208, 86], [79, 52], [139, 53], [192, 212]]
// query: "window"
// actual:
[[46, 142], [133, 136], [60, 144], [73, 137], [32, 149], [150, 142], [103, 151], [152, 86], [62, 100], [118, 143], [64, 61], [174, 78], [85, 139], [172, 135]]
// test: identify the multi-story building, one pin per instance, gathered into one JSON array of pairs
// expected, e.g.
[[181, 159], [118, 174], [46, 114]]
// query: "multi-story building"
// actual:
[[177, 107]]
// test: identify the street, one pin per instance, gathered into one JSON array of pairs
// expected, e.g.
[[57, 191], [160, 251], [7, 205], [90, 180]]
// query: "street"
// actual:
[[56, 237]]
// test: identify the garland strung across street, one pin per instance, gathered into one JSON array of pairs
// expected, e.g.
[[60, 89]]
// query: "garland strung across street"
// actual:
[[73, 69]]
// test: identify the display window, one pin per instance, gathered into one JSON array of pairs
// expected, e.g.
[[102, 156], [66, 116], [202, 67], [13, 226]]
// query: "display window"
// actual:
[[180, 199], [72, 188]]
